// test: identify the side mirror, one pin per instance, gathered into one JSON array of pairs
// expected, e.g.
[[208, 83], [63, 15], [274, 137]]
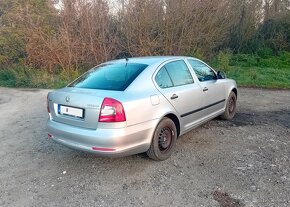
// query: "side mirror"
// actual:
[[221, 75]]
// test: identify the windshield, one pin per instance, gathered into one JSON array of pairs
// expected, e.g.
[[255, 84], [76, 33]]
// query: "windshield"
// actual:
[[114, 76]]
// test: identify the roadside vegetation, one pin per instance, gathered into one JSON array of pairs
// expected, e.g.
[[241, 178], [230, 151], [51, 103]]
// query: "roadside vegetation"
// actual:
[[254, 70], [48, 43], [248, 70]]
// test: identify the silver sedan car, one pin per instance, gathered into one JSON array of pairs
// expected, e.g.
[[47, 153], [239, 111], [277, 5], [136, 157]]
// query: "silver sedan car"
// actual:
[[129, 106]]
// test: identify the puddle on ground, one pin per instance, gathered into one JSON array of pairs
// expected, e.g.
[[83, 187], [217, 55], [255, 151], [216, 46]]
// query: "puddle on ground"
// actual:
[[225, 200]]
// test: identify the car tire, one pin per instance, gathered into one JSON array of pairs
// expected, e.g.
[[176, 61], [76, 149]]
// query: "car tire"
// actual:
[[163, 141], [231, 107]]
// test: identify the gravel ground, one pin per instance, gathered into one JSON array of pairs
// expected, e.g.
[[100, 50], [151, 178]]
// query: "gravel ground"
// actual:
[[244, 162]]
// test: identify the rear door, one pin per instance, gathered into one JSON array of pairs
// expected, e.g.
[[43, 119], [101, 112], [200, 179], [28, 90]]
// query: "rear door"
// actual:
[[177, 84], [213, 88]]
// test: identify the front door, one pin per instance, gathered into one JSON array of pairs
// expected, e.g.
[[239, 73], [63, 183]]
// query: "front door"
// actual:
[[213, 88]]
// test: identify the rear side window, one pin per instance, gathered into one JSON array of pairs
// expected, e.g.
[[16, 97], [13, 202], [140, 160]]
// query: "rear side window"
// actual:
[[179, 73], [174, 74], [115, 76], [162, 79]]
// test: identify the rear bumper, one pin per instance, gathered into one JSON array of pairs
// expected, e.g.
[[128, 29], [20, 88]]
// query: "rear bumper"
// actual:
[[104, 142]]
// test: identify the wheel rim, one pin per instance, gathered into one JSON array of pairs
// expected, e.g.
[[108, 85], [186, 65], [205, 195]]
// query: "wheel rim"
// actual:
[[232, 105], [165, 139]]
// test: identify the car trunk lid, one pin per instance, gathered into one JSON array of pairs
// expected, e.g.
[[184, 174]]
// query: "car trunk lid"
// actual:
[[76, 106]]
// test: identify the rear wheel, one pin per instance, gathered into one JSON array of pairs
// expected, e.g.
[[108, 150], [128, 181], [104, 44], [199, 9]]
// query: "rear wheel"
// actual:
[[231, 107], [163, 141]]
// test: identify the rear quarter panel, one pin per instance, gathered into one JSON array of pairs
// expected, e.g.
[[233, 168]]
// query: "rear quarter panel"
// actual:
[[145, 106]]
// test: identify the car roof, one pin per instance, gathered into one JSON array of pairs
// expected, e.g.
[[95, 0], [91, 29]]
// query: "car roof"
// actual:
[[149, 60]]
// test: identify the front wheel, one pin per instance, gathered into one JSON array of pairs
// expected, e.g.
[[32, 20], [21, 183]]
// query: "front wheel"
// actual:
[[231, 107], [163, 141]]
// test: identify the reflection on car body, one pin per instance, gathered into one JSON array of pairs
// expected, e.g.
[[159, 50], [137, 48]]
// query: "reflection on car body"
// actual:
[[136, 105]]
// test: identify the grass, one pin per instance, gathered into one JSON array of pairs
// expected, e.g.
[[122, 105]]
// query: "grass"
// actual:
[[271, 78], [268, 71], [262, 70]]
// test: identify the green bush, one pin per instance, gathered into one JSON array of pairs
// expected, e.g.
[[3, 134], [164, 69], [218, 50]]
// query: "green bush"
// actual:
[[265, 52], [244, 60], [16, 76], [281, 60], [255, 71], [27, 77], [253, 74], [7, 78], [224, 61], [69, 75], [23, 76], [246, 69], [198, 53], [285, 57]]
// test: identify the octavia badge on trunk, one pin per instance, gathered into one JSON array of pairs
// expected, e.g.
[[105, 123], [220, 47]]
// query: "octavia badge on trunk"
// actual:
[[67, 99]]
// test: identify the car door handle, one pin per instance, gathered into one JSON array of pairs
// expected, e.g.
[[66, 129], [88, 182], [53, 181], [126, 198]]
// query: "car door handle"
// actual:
[[205, 89], [174, 96]]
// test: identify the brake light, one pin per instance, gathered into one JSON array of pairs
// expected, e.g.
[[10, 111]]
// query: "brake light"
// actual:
[[47, 104], [112, 111]]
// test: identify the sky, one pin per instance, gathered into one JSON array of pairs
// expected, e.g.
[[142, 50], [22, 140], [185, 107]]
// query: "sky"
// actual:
[[112, 3]]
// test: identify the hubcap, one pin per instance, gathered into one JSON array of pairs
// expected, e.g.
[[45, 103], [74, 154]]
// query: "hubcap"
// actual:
[[165, 139], [232, 105]]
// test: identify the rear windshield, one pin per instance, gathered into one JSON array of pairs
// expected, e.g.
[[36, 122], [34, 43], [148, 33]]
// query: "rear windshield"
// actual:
[[116, 76]]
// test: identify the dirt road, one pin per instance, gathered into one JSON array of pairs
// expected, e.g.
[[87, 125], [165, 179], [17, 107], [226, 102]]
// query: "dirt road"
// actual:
[[245, 162]]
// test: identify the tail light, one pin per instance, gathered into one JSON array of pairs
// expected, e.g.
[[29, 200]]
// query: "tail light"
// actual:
[[47, 104], [112, 111]]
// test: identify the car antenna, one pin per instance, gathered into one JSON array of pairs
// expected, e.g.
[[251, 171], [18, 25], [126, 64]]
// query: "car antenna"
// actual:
[[127, 59]]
